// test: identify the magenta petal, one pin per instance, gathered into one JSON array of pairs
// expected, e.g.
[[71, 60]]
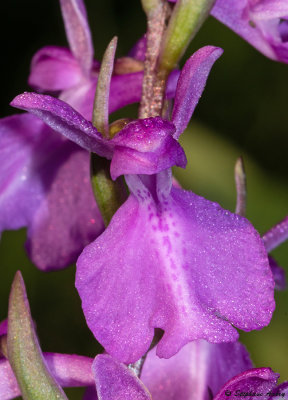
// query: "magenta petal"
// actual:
[[278, 274], [9, 388], [26, 145], [139, 50], [3, 327], [69, 371], [256, 380], [198, 369], [68, 218], [78, 32], [65, 120], [125, 89], [115, 381], [263, 32], [45, 187], [183, 267], [146, 147], [281, 390], [53, 69], [191, 85]]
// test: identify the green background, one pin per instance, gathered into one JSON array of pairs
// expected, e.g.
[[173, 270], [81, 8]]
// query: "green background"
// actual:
[[243, 112]]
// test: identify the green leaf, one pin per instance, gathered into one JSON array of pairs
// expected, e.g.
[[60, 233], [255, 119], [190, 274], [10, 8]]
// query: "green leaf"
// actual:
[[24, 353]]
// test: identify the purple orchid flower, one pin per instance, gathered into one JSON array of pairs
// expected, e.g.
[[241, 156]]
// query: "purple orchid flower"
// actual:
[[201, 371], [183, 265], [40, 184], [172, 259], [263, 23]]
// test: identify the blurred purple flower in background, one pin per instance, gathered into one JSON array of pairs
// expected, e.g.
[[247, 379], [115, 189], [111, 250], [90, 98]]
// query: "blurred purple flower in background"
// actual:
[[263, 23]]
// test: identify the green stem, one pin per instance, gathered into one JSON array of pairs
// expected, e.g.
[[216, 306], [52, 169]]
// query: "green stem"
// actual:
[[186, 19], [109, 195]]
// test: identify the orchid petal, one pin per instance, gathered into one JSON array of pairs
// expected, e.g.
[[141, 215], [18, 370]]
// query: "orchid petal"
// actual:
[[256, 380], [78, 32], [65, 120], [68, 218], [3, 327], [155, 150], [68, 370], [39, 189], [279, 392], [139, 50], [53, 69], [146, 147], [278, 274], [263, 34], [125, 89], [190, 265], [31, 143], [266, 9], [191, 85], [115, 381], [9, 388], [198, 367]]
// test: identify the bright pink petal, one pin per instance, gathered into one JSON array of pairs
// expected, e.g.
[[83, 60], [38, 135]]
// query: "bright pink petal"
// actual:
[[199, 369], [256, 380], [78, 32], [146, 147], [176, 262], [69, 371], [114, 381], [53, 69], [191, 84], [64, 119]]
